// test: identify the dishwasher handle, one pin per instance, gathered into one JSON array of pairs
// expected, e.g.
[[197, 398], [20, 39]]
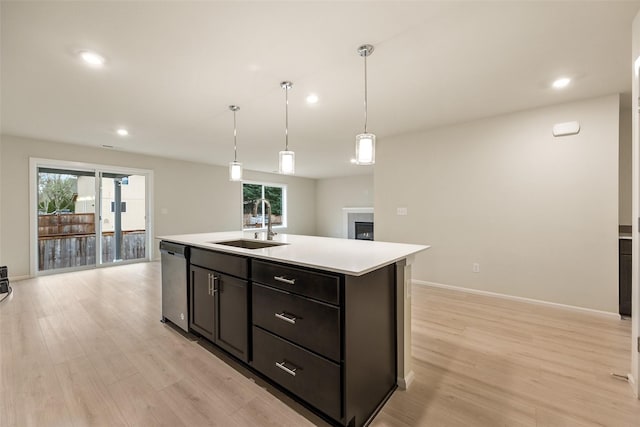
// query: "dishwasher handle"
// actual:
[[174, 249]]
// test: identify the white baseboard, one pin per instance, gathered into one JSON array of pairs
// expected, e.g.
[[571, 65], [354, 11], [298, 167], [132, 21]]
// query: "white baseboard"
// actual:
[[18, 278], [515, 298], [404, 383], [632, 384]]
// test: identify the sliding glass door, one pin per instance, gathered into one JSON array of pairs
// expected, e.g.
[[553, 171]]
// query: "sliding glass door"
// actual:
[[88, 218], [66, 218], [123, 217]]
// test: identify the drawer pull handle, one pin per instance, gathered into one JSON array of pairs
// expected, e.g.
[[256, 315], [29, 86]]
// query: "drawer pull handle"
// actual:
[[285, 280], [287, 317], [290, 371]]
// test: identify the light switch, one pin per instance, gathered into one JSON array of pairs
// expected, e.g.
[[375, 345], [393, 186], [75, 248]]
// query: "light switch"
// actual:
[[401, 211]]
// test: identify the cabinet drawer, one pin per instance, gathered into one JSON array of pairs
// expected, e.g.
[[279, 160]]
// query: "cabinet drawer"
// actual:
[[311, 324], [298, 281], [309, 376], [231, 264]]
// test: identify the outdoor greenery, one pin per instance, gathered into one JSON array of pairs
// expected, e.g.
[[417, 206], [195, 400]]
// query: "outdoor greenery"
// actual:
[[252, 192], [56, 192]]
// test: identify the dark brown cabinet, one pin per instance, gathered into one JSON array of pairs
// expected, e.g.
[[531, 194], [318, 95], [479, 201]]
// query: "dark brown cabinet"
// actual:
[[311, 324], [327, 338], [232, 325], [624, 280], [303, 372], [219, 301], [203, 307]]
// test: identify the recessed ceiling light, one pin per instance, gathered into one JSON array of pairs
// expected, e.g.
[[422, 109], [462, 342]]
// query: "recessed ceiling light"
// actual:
[[312, 98], [92, 58], [561, 83], [122, 132]]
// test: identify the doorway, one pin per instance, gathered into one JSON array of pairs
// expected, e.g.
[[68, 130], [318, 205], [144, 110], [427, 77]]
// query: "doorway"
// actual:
[[87, 216]]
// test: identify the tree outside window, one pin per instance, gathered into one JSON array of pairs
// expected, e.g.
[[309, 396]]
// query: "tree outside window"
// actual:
[[57, 193]]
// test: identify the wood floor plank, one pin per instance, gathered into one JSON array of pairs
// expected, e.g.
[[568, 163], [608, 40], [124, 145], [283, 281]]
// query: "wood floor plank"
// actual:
[[36, 393], [195, 406], [156, 366], [140, 403], [86, 396], [61, 341]]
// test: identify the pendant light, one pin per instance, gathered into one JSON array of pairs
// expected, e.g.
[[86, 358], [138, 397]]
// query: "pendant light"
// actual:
[[365, 142], [287, 159], [235, 167]]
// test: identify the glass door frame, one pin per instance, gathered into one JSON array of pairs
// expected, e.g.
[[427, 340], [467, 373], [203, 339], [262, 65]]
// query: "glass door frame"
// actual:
[[98, 170]]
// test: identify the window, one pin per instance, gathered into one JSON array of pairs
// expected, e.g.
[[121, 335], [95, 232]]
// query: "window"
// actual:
[[254, 215]]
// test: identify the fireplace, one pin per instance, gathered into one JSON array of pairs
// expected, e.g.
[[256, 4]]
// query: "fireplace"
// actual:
[[351, 216], [364, 230]]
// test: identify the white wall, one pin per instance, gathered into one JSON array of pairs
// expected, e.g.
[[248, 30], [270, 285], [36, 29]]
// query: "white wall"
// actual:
[[195, 197], [538, 213], [333, 194], [624, 167]]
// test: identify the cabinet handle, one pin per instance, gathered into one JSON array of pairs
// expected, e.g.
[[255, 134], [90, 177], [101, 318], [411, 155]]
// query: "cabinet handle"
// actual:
[[214, 281], [290, 371], [290, 318], [285, 280], [210, 284]]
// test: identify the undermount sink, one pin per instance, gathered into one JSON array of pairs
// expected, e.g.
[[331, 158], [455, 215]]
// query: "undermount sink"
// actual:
[[249, 244]]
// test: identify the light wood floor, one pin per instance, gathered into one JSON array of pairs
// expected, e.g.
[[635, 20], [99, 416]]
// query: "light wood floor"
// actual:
[[87, 348]]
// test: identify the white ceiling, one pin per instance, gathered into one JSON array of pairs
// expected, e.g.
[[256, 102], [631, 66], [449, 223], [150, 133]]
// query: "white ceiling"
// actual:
[[174, 67]]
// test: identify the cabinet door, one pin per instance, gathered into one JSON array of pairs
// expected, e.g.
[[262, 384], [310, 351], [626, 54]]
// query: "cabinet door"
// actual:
[[232, 326], [203, 309], [624, 288]]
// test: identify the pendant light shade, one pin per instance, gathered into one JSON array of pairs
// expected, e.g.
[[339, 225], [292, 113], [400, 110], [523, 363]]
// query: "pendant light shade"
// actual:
[[235, 171], [365, 149], [235, 167], [287, 162], [286, 158], [365, 142]]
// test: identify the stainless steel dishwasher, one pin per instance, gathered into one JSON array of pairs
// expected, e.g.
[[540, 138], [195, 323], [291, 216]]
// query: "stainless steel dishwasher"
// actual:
[[174, 284]]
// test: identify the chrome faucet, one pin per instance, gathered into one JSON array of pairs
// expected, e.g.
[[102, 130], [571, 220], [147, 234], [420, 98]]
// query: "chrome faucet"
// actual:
[[270, 232]]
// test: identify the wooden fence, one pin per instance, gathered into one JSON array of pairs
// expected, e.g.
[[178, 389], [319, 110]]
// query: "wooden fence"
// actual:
[[69, 240], [65, 224]]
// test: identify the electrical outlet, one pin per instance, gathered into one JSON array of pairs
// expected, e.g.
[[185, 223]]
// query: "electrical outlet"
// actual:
[[476, 267], [181, 316], [401, 211]]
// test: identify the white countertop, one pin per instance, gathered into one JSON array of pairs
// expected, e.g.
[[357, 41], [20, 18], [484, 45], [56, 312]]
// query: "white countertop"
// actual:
[[353, 257]]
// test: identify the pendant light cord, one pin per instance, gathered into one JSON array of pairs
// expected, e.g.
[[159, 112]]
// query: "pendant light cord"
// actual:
[[235, 136], [365, 93], [286, 118]]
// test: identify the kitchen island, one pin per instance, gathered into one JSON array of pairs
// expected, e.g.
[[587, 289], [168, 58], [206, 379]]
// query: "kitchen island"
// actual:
[[327, 320]]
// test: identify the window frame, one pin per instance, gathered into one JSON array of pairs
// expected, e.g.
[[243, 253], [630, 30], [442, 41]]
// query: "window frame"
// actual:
[[283, 187]]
